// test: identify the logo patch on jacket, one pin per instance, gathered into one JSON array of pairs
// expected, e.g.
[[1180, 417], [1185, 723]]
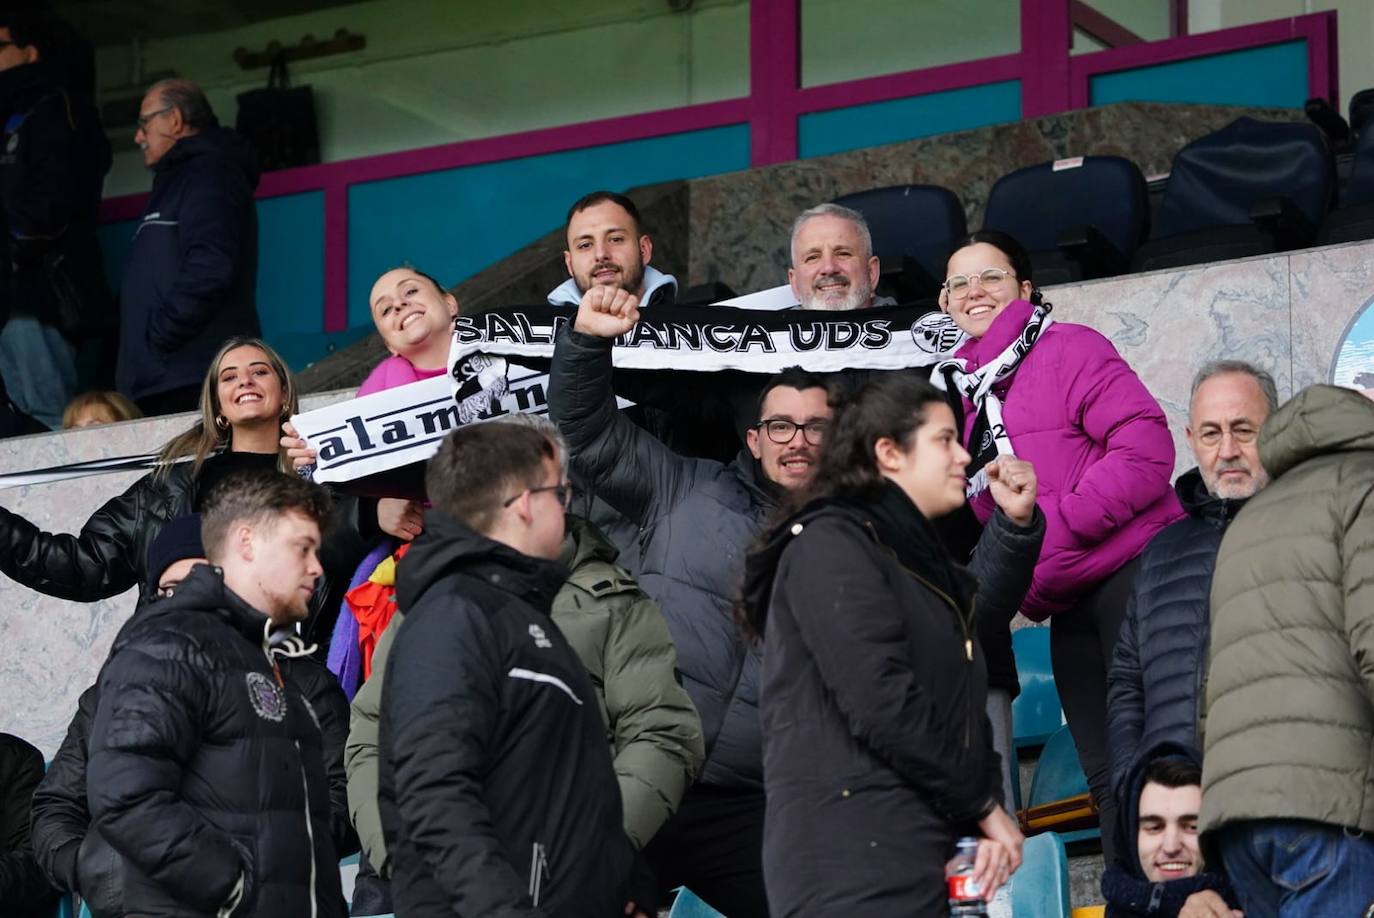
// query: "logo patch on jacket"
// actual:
[[266, 696], [540, 638]]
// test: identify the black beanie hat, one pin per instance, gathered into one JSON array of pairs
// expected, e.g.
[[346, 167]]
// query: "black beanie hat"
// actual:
[[178, 540]]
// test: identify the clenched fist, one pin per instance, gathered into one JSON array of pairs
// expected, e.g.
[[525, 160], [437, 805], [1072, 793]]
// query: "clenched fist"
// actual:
[[607, 312], [1013, 485]]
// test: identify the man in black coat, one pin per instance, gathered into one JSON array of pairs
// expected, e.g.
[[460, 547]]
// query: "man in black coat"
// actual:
[[496, 790], [189, 283], [1154, 685], [24, 891], [53, 160], [81, 861], [206, 771]]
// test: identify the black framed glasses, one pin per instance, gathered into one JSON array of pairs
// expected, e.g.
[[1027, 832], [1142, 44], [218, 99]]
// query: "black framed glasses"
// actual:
[[562, 491], [959, 285], [781, 430], [145, 120]]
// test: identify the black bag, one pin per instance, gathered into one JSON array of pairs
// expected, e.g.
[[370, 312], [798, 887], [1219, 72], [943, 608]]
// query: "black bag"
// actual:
[[280, 121]]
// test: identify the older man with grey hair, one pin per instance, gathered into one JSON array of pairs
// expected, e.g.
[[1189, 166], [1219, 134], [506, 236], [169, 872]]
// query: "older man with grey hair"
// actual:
[[833, 265], [191, 275], [1156, 677]]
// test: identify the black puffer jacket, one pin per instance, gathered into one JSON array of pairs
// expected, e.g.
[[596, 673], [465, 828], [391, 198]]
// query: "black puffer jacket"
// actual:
[[496, 790], [877, 747], [110, 553], [1155, 681], [190, 279], [81, 861], [204, 769], [24, 890], [697, 518]]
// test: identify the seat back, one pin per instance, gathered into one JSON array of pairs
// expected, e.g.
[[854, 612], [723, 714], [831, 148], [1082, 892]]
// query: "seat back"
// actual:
[[687, 905], [1361, 110], [1037, 203], [1058, 773], [1040, 888], [1359, 188], [921, 222], [1216, 178], [1036, 713]]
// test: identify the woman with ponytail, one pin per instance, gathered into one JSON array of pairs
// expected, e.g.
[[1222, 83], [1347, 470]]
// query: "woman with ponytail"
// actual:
[[1060, 396]]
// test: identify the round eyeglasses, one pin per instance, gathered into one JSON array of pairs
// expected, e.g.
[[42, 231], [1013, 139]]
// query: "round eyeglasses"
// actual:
[[959, 285]]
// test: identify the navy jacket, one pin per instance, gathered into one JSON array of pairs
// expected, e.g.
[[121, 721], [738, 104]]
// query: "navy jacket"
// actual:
[[190, 279], [1155, 681]]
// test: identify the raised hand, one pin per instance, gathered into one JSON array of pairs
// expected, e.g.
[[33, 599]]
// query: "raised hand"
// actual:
[[296, 450], [1012, 482], [607, 312]]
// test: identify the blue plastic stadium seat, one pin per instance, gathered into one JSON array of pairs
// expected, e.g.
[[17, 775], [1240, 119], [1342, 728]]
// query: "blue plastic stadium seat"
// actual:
[[1251, 188], [1355, 218], [1036, 713], [1078, 218], [1059, 798], [1040, 887], [687, 905], [914, 227]]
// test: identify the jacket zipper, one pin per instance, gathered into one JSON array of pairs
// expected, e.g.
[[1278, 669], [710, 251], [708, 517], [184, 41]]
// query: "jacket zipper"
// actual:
[[539, 871], [963, 622], [309, 832]]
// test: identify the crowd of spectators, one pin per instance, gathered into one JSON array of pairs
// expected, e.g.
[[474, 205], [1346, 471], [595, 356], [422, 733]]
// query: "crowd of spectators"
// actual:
[[752, 639]]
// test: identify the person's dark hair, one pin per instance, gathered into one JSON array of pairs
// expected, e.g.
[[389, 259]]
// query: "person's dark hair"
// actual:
[[189, 99], [597, 197], [407, 266], [790, 378], [1016, 254], [255, 497], [30, 27], [481, 465], [1173, 772]]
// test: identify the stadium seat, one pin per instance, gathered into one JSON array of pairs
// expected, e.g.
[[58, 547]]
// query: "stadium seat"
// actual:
[[687, 905], [1078, 218], [1040, 888], [1354, 219], [914, 228], [1059, 799], [64, 908], [1035, 714], [1251, 188]]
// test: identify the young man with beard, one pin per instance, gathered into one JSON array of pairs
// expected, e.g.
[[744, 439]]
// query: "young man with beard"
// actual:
[[697, 518], [607, 247], [1155, 680], [206, 770]]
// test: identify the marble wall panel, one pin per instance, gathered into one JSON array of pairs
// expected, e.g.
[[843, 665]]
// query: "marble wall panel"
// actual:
[[53, 648]]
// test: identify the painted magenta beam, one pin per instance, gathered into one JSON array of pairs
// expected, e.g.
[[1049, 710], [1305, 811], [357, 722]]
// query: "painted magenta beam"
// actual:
[[1046, 43], [1317, 29], [1101, 27], [774, 79]]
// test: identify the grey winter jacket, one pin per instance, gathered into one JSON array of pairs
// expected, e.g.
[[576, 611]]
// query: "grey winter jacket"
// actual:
[[1289, 729]]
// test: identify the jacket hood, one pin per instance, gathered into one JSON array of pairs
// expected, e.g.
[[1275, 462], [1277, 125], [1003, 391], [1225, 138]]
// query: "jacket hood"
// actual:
[[1318, 420], [448, 546], [584, 543], [213, 141], [204, 592], [567, 294], [1128, 820], [1201, 503]]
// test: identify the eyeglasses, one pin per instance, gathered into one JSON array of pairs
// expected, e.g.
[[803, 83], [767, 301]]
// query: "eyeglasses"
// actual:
[[1241, 433], [561, 491], [145, 120], [781, 430], [959, 285]]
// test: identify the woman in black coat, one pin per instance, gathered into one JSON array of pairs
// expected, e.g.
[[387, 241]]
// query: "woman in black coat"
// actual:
[[877, 749], [247, 394]]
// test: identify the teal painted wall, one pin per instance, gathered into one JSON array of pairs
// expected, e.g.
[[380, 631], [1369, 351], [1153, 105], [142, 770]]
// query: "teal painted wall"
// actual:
[[1271, 76], [906, 119], [454, 223]]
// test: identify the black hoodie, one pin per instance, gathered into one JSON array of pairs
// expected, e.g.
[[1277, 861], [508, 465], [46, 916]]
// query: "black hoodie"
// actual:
[[190, 279], [496, 790], [1124, 886]]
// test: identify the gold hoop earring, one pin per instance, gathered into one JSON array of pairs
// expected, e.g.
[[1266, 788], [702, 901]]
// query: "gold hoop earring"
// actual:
[[221, 422]]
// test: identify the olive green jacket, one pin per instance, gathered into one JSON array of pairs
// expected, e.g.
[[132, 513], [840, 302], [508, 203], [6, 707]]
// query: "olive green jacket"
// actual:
[[1289, 722], [620, 636]]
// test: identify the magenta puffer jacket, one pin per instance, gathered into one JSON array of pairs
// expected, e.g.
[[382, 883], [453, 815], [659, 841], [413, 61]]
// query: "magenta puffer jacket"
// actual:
[[1101, 449]]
